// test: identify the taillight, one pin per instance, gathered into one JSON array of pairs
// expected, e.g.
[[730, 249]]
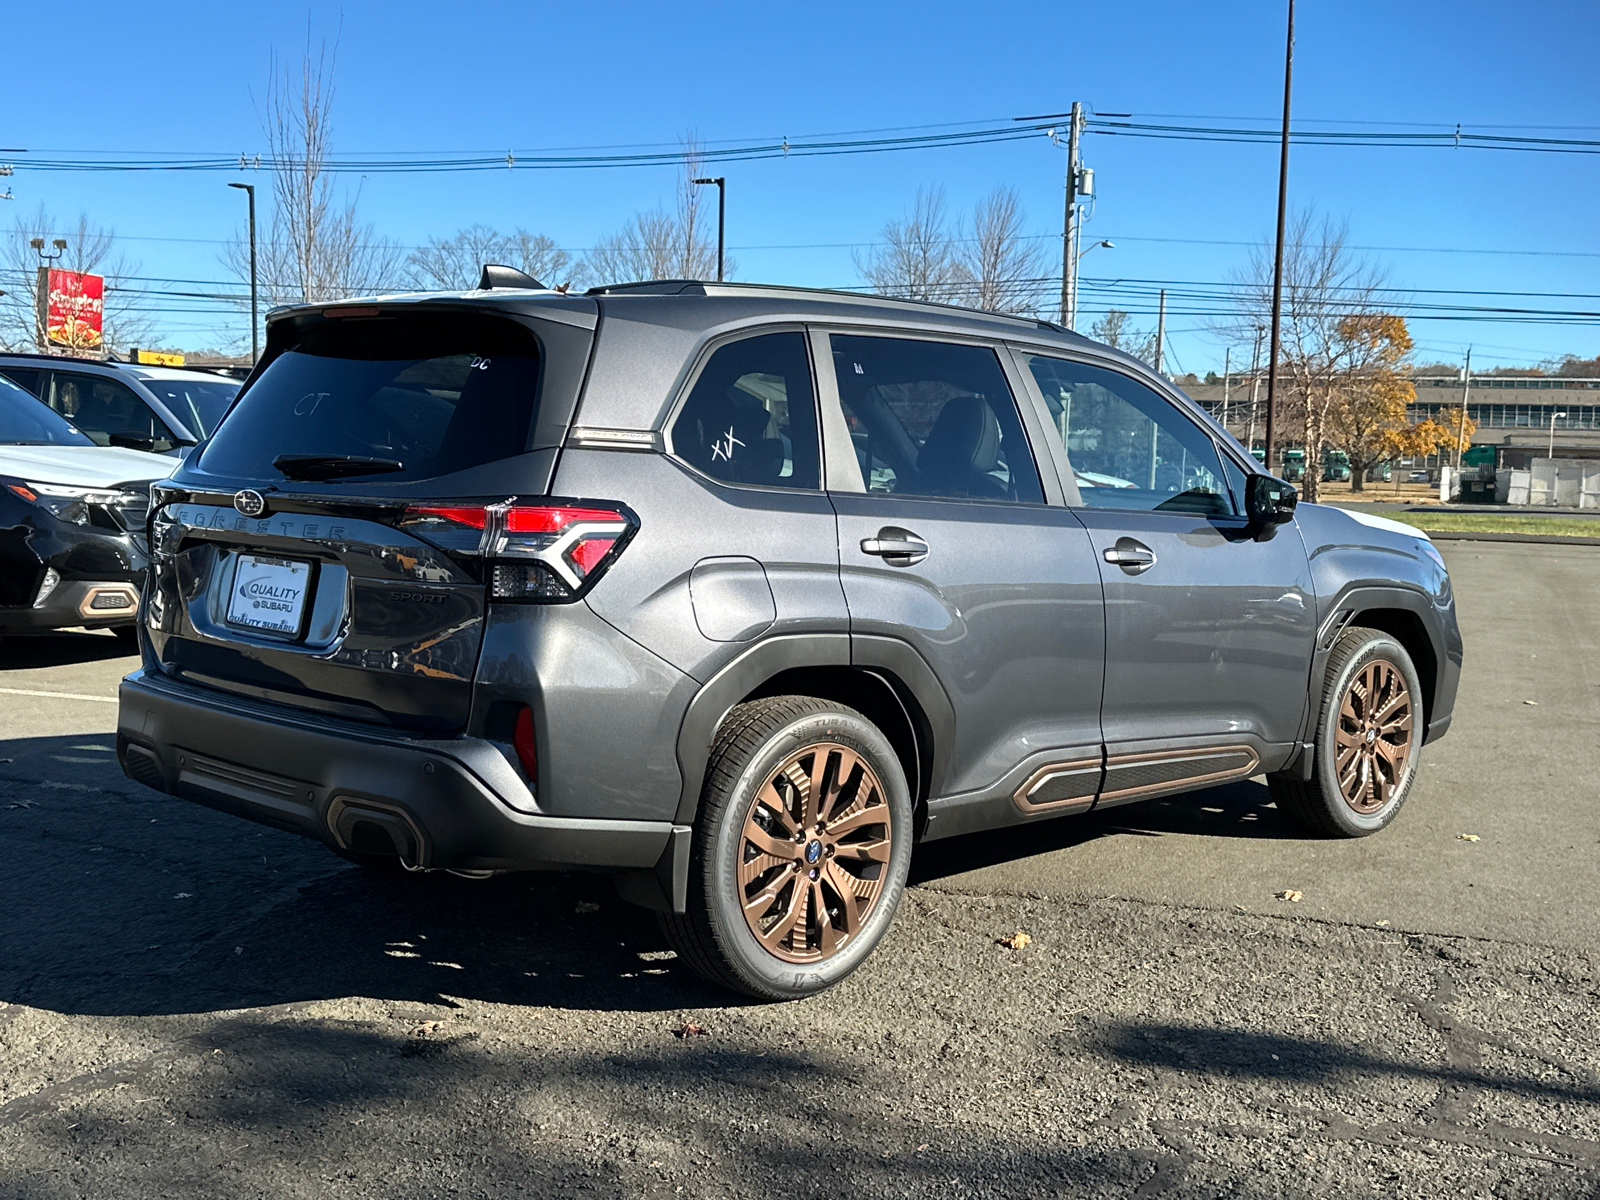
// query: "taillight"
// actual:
[[522, 743], [543, 553]]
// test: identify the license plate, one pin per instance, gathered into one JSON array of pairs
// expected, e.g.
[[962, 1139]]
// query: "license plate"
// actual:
[[269, 594]]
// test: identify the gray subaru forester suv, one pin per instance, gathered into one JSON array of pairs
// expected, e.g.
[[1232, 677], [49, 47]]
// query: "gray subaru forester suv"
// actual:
[[740, 592]]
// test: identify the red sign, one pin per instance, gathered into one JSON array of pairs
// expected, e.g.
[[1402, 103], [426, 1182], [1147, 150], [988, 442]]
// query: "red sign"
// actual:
[[73, 305]]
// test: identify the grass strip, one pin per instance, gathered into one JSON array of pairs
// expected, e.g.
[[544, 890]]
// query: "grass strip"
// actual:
[[1448, 522]]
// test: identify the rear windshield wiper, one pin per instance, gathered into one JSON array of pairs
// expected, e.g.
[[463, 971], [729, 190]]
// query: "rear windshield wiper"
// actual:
[[333, 466]]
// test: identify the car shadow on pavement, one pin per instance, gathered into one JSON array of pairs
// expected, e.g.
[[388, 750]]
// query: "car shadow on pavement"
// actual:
[[289, 1104], [1234, 810], [119, 900], [1255, 1054], [30, 651]]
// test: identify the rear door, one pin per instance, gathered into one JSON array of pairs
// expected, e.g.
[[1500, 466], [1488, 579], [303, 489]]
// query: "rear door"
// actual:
[[109, 411], [947, 542], [1209, 631], [324, 549]]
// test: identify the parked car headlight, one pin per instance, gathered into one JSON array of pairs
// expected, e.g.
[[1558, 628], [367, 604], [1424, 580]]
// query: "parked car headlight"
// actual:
[[64, 501]]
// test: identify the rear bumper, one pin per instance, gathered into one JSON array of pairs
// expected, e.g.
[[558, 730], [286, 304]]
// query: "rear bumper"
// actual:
[[95, 604], [436, 801]]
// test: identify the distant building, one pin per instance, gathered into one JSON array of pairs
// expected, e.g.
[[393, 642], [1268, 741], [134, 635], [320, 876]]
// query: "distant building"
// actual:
[[1514, 413]]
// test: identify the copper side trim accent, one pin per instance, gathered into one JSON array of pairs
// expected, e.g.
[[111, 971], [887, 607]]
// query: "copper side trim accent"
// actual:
[[1198, 756], [1080, 766]]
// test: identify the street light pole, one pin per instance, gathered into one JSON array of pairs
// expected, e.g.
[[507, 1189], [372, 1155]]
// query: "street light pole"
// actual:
[[1277, 258], [722, 196], [1551, 452], [250, 191]]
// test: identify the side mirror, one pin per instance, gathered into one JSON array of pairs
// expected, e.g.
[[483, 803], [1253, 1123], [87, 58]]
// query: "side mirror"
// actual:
[[1269, 501]]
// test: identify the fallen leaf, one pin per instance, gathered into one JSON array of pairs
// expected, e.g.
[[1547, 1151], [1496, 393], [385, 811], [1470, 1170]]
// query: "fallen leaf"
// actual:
[[1535, 703], [1466, 837], [1290, 895], [689, 1029], [1015, 942], [1382, 924], [586, 906], [424, 1029], [1238, 908]]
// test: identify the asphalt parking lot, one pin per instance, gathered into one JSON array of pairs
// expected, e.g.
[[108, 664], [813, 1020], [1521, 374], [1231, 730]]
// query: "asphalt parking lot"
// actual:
[[197, 1007]]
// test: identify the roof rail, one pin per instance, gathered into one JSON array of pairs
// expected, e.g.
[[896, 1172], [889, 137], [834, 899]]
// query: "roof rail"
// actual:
[[696, 287]]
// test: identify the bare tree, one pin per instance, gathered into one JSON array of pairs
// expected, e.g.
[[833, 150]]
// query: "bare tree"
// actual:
[[658, 244], [917, 257], [1329, 295], [1002, 271], [317, 248], [1113, 329], [456, 263], [90, 248]]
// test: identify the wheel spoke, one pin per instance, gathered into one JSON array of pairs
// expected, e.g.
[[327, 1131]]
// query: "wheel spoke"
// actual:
[[781, 848], [873, 851], [756, 906], [849, 902], [859, 818], [830, 801]]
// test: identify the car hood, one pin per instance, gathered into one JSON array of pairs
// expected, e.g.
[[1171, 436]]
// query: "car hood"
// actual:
[[83, 466]]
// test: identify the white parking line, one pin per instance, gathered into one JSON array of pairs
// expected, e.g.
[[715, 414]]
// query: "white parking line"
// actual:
[[57, 695]]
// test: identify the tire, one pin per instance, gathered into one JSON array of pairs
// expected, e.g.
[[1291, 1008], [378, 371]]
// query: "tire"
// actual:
[[763, 769], [1378, 743]]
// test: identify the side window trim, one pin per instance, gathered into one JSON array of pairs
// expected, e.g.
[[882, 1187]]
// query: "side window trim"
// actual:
[[1036, 423], [1174, 403], [841, 472], [701, 360]]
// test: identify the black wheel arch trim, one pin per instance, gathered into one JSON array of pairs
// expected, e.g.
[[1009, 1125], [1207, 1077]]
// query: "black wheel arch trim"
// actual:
[[1352, 606], [891, 662]]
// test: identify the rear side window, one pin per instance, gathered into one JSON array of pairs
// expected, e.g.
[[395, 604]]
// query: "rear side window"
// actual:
[[111, 413], [437, 394], [751, 417], [933, 419]]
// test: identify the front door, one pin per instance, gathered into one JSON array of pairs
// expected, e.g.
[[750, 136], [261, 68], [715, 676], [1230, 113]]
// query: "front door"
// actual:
[[946, 542], [1209, 632]]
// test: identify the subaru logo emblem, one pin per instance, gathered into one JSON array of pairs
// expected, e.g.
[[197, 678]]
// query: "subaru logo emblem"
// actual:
[[250, 503], [813, 852]]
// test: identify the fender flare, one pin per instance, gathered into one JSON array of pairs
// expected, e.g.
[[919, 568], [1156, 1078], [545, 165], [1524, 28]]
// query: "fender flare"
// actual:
[[786, 652], [1353, 599]]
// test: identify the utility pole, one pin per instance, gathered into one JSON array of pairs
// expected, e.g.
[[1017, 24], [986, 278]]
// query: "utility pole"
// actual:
[[1226, 352], [255, 335], [722, 196], [1277, 258], [1466, 390], [1161, 328], [1255, 390], [1069, 222]]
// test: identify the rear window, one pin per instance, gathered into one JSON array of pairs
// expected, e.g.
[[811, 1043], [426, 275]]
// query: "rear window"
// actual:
[[436, 394], [199, 403]]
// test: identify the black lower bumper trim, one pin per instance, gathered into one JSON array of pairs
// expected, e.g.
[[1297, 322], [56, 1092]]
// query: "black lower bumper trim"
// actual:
[[326, 783]]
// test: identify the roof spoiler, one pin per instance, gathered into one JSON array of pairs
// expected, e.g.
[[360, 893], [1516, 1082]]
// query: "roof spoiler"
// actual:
[[495, 275]]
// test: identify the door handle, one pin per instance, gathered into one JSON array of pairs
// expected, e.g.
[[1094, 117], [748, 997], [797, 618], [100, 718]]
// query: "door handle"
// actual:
[[897, 547], [1132, 556]]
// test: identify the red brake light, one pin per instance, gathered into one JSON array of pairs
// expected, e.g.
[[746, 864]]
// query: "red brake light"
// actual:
[[522, 743], [554, 520], [587, 554]]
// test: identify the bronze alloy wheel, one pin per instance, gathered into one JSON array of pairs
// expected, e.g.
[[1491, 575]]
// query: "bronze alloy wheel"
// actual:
[[814, 852], [1372, 740]]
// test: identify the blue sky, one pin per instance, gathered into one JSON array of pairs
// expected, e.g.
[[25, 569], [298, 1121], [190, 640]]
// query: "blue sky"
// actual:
[[528, 76]]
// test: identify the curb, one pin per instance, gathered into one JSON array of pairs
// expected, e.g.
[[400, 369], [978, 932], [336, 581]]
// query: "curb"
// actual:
[[1541, 539]]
